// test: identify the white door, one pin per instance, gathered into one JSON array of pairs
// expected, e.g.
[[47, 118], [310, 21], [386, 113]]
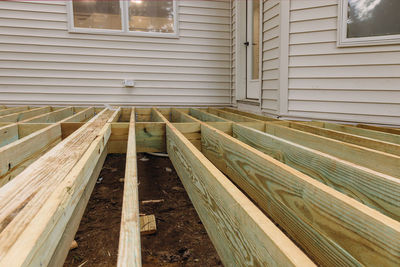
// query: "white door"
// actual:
[[253, 54]]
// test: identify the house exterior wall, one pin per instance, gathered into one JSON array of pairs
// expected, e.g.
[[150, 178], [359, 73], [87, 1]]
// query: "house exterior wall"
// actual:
[[42, 63], [346, 84]]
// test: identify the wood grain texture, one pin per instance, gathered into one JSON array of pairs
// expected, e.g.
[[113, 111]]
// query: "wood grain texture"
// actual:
[[231, 116], [25, 196], [81, 116], [250, 115], [52, 117], [150, 137], [349, 138], [205, 116], [378, 191], [369, 158], [8, 134], [23, 115], [335, 230], [129, 251], [10, 110], [240, 232], [380, 129]]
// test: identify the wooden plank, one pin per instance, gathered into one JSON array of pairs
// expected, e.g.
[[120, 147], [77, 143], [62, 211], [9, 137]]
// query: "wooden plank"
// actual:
[[13, 110], [148, 225], [349, 138], [382, 136], [178, 115], [8, 134], [143, 114], [240, 232], [205, 116], [52, 117], [82, 116], [191, 131], [372, 159], [150, 137], [67, 128], [26, 129], [378, 191], [62, 249], [231, 116], [23, 115], [30, 205], [380, 129], [250, 115], [119, 138], [129, 252], [332, 228]]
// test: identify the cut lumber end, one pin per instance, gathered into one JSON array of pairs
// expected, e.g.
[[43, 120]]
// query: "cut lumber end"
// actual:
[[148, 225]]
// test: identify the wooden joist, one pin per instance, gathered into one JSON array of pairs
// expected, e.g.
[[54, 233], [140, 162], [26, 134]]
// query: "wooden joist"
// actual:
[[250, 115], [129, 253], [240, 232], [42, 198], [24, 115], [7, 111], [380, 129], [53, 116]]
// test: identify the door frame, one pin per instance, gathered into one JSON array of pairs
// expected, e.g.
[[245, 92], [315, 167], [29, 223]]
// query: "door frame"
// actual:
[[241, 52]]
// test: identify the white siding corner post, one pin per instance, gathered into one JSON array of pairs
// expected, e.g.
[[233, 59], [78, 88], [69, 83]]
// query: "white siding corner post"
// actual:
[[240, 62], [284, 58]]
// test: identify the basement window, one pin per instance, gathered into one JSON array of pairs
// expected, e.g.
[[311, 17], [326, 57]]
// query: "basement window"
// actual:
[[134, 17], [368, 22]]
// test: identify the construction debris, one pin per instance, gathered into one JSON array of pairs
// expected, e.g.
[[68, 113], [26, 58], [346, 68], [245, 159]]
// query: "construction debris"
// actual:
[[148, 225]]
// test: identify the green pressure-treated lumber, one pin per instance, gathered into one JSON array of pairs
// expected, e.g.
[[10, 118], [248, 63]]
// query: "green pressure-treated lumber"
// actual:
[[81, 116], [129, 251], [8, 134], [150, 137], [204, 116], [376, 160], [250, 115], [240, 232], [349, 138], [13, 110], [26, 114], [380, 129], [335, 230], [53, 116], [231, 116], [378, 191]]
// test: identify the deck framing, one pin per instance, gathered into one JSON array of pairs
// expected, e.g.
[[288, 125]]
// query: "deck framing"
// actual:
[[268, 192]]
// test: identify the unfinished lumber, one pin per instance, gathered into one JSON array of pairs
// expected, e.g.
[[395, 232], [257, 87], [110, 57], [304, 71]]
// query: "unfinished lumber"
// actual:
[[25, 129], [376, 160], [250, 115], [38, 201], [23, 115], [332, 228], [8, 134], [349, 138], [231, 116], [378, 191], [204, 116], [119, 138], [13, 110], [81, 116], [16, 156], [148, 225], [67, 128], [380, 129], [240, 232], [129, 252], [150, 137], [63, 246], [53, 116]]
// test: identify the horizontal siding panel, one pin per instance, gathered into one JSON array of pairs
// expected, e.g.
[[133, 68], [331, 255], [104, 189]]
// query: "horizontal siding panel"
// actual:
[[345, 84], [392, 97], [308, 4], [318, 12], [41, 62], [377, 71], [313, 37], [345, 107], [327, 24]]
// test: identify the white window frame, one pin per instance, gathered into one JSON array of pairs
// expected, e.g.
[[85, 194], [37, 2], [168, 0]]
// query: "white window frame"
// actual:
[[124, 5], [344, 41]]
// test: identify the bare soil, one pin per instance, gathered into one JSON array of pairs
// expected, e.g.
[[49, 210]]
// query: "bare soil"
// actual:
[[180, 240]]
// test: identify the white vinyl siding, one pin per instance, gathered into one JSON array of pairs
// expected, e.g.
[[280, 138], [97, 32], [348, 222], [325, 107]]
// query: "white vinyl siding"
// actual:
[[233, 49], [271, 55], [41, 62], [358, 84]]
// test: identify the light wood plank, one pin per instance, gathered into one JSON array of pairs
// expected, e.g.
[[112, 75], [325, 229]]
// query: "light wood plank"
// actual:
[[129, 252], [8, 134], [240, 232], [52, 117], [231, 116], [150, 137], [8, 111], [381, 129], [148, 225], [372, 159], [81, 116], [205, 116], [250, 115], [332, 228], [20, 116]]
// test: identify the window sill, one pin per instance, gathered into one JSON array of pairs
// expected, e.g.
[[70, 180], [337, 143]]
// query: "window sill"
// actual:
[[123, 33]]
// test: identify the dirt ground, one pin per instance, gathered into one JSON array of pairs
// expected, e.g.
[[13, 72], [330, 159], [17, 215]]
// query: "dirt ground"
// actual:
[[180, 240]]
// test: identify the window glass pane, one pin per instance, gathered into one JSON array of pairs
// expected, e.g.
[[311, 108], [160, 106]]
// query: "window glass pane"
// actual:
[[97, 14], [256, 40], [373, 18], [151, 16]]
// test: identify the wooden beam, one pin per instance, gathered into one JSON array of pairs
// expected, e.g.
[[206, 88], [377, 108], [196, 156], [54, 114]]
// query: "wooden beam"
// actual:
[[349, 138], [380, 129], [67, 128], [191, 131], [250, 115], [205, 116], [7, 111], [150, 137], [26, 129], [240, 232], [119, 138], [42, 198], [378, 191], [23, 115], [369, 158], [231, 116], [129, 252], [63, 247], [82, 116], [8, 134], [332, 228], [386, 137], [52, 117]]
